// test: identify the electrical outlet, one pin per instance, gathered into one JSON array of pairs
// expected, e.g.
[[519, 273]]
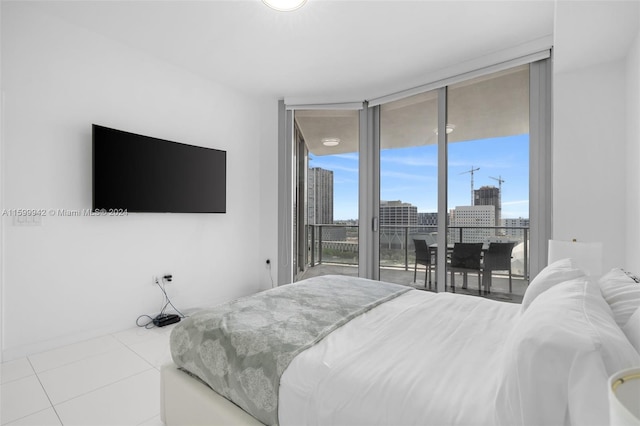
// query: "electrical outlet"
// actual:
[[161, 279]]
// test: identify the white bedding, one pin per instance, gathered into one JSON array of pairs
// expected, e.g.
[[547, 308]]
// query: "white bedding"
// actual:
[[422, 358], [450, 359]]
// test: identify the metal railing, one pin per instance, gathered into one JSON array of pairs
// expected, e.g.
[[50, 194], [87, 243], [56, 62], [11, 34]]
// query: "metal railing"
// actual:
[[338, 243], [341, 244]]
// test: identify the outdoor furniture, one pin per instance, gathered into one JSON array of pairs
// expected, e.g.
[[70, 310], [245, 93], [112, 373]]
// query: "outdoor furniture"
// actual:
[[497, 258], [423, 257], [465, 258]]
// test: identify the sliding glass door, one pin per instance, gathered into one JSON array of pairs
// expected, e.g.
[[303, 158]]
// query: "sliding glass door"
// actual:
[[327, 192], [408, 186], [486, 182], [488, 178], [375, 185]]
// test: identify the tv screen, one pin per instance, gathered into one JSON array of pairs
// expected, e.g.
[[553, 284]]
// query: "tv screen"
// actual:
[[144, 174]]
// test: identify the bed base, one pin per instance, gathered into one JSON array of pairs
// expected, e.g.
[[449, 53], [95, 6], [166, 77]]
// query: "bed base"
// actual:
[[185, 400]]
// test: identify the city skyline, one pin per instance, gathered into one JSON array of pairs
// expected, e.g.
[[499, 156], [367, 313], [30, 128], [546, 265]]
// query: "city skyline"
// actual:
[[410, 175]]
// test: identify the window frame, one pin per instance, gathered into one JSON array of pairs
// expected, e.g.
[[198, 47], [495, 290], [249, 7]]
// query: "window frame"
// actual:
[[540, 178]]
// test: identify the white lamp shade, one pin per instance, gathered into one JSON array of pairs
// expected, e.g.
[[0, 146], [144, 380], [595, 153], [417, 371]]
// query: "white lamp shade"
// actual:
[[624, 398], [585, 256]]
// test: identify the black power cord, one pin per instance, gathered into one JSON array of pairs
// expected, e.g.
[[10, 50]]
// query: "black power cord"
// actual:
[[162, 318], [270, 275]]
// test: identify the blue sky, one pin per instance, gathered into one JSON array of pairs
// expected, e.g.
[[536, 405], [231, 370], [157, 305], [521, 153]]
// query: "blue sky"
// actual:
[[410, 175]]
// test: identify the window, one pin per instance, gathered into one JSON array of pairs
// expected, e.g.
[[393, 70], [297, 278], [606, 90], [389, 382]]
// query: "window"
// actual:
[[474, 153]]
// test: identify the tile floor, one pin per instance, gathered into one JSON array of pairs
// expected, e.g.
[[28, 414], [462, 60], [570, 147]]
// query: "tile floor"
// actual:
[[110, 380]]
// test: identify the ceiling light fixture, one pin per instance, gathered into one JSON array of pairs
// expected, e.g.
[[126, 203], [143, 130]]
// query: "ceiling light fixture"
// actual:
[[330, 141], [450, 128], [284, 5]]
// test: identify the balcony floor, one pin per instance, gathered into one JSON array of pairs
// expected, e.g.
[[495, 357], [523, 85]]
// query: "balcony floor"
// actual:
[[499, 283]]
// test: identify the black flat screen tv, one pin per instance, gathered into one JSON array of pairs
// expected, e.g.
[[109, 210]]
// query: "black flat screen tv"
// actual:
[[148, 175]]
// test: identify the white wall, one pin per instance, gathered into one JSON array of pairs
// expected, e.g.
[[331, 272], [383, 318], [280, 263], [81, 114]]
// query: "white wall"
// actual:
[[595, 190], [589, 158], [78, 277], [633, 156], [267, 213], [2, 181]]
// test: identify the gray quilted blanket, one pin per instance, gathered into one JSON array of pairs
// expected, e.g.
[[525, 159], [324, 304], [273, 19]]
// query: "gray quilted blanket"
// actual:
[[241, 348]]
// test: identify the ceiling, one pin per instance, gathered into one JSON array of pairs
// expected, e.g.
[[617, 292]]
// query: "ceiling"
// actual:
[[353, 50], [593, 32], [328, 49], [493, 105]]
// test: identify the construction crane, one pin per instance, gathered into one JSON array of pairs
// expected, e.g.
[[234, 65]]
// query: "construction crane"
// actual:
[[500, 182], [499, 206], [471, 171]]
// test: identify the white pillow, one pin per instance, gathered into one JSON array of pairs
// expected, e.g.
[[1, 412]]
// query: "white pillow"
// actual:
[[559, 271], [622, 293], [632, 330], [558, 358]]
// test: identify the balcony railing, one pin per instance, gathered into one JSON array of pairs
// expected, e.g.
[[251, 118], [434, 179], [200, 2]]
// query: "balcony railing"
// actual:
[[338, 244]]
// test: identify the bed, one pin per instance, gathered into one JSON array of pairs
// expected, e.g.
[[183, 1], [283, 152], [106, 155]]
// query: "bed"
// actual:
[[400, 356]]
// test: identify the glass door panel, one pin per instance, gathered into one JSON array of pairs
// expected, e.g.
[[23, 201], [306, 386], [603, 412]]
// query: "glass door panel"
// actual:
[[488, 180], [328, 195], [408, 188]]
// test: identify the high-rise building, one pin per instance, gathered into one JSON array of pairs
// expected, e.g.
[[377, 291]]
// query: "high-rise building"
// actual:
[[514, 227], [320, 203], [398, 213], [320, 196], [477, 224], [396, 219], [428, 219], [489, 196]]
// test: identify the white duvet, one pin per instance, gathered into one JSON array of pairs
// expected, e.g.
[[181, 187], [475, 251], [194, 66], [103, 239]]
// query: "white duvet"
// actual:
[[450, 359], [419, 359]]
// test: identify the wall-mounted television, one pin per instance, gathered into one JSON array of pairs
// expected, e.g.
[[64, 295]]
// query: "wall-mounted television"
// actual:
[[144, 174]]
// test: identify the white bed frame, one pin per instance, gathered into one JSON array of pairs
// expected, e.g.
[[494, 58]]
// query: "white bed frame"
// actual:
[[185, 400]]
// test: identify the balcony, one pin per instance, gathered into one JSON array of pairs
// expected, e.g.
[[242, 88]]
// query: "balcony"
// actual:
[[333, 249]]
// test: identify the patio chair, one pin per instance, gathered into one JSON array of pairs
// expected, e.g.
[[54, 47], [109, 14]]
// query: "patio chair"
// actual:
[[497, 258], [465, 258], [423, 257]]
